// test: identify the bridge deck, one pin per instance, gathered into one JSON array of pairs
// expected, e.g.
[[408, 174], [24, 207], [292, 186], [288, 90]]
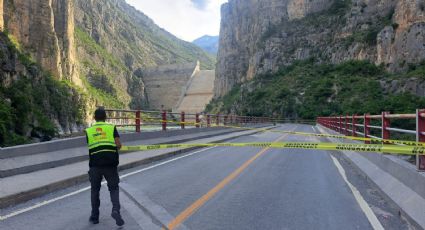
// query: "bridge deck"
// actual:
[[226, 188]]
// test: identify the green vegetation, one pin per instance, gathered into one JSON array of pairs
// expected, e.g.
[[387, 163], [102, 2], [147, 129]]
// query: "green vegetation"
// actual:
[[103, 98], [95, 49], [336, 12], [97, 81], [417, 70], [323, 19], [162, 45], [369, 36], [306, 90], [29, 103]]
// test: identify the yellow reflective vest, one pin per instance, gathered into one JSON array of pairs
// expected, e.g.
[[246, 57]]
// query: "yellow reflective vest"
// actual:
[[101, 144]]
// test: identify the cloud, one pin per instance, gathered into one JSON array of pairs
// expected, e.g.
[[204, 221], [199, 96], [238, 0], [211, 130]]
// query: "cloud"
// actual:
[[200, 4], [186, 19]]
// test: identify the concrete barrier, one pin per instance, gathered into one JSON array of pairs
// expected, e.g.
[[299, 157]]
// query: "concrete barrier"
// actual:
[[396, 178], [81, 175], [55, 145], [401, 170]]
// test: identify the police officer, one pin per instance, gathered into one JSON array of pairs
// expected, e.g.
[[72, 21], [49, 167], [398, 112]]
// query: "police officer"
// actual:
[[104, 142]]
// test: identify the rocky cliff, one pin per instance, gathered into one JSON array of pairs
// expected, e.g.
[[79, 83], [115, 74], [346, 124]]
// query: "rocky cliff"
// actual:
[[34, 105], [94, 50], [44, 29], [101, 46], [257, 37], [116, 43]]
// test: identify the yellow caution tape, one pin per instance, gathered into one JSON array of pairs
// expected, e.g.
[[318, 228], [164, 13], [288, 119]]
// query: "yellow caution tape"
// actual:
[[395, 149], [383, 141], [176, 122], [373, 140]]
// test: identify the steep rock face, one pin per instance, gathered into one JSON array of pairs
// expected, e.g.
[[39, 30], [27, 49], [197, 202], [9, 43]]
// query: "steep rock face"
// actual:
[[300, 8], [33, 104], [257, 38], [133, 37], [117, 42], [59, 59], [111, 42], [1, 16], [406, 43], [45, 30], [243, 22]]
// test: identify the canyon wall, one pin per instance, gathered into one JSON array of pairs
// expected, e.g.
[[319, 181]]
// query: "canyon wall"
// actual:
[[66, 57], [45, 30], [258, 37]]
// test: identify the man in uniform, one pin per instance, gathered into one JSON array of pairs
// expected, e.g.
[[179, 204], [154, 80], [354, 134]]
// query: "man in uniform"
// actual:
[[104, 142]]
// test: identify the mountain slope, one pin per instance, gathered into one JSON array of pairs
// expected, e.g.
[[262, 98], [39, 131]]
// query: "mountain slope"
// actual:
[[306, 90], [294, 58], [116, 42], [133, 37], [76, 55], [208, 43], [34, 105], [257, 37]]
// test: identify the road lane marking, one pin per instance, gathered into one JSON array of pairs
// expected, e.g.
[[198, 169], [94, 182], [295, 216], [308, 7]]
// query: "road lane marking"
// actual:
[[155, 212], [143, 221], [201, 201], [46, 202], [373, 220]]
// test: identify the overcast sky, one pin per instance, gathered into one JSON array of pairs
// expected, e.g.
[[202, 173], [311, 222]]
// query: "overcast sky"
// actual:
[[186, 19]]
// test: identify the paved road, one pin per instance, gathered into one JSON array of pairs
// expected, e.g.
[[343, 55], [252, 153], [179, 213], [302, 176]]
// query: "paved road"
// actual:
[[226, 188]]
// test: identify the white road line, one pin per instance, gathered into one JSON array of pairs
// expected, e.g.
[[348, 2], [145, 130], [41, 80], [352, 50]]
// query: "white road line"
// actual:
[[373, 220], [46, 202]]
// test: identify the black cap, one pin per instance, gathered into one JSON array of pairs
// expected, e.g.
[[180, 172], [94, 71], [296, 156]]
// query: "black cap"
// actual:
[[100, 114]]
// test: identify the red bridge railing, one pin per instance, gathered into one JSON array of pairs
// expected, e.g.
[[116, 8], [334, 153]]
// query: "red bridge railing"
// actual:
[[136, 120], [366, 125]]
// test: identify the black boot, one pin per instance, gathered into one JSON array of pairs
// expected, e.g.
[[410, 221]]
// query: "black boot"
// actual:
[[118, 219], [94, 219]]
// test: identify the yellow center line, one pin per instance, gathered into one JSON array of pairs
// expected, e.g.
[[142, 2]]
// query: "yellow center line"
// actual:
[[201, 201]]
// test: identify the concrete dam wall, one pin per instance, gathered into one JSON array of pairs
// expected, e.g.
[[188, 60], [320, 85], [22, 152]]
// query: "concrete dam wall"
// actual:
[[198, 94], [179, 87]]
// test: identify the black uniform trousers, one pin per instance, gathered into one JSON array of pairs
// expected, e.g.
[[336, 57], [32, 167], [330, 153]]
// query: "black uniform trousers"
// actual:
[[111, 175]]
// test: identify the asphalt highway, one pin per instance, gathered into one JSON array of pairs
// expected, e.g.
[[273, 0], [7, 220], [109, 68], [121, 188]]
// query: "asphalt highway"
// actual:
[[226, 188]]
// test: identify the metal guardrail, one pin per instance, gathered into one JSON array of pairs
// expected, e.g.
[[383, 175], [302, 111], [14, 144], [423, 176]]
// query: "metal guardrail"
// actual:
[[348, 125], [136, 120]]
